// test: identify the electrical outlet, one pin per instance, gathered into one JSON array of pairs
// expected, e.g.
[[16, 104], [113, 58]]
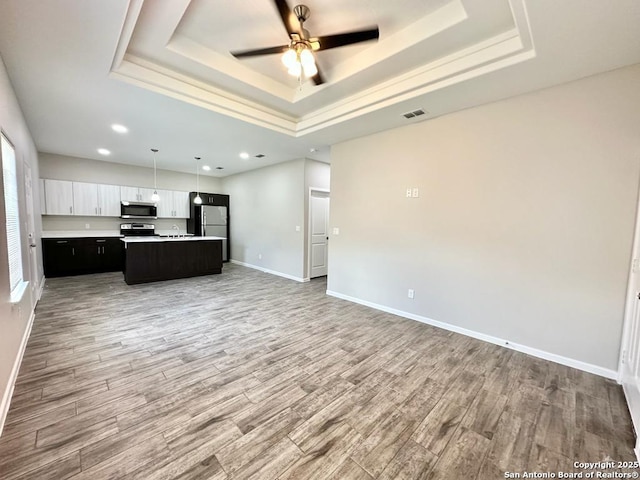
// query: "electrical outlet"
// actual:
[[259, 256], [336, 231], [408, 192], [411, 293], [416, 193], [87, 226]]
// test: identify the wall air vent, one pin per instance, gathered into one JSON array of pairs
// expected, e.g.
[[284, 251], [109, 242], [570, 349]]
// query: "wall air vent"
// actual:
[[415, 113], [260, 155]]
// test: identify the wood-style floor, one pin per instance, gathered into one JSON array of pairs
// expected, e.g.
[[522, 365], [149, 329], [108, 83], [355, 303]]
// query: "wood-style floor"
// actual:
[[247, 375]]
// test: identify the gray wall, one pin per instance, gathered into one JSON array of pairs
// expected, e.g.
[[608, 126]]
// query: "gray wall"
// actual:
[[61, 167], [523, 227], [14, 320], [266, 205]]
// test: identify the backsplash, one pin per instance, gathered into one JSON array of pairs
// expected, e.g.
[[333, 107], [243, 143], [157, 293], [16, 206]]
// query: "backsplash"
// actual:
[[73, 223]]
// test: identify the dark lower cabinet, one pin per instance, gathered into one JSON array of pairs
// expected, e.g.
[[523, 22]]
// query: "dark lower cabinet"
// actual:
[[78, 256], [158, 260]]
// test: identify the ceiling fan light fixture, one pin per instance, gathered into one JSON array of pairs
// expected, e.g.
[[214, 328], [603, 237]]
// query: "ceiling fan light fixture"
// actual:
[[290, 58], [295, 69], [310, 70], [306, 58]]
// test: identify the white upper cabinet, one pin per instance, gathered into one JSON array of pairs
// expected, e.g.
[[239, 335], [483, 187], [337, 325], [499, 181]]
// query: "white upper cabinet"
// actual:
[[181, 204], [145, 195], [85, 199], [58, 197], [136, 194], [165, 204], [43, 205], [109, 200], [129, 194], [91, 199], [173, 204], [61, 197]]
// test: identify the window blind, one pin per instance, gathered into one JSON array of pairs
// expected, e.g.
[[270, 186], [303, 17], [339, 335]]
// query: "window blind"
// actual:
[[10, 182]]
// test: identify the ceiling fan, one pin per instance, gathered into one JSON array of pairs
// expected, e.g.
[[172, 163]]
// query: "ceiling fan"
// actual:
[[298, 54]]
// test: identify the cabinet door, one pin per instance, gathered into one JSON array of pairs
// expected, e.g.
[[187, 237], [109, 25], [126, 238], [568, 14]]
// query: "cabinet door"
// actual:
[[129, 194], [87, 256], [109, 200], [109, 254], [181, 204], [145, 195], [85, 199], [63, 256], [165, 204], [58, 197], [113, 255]]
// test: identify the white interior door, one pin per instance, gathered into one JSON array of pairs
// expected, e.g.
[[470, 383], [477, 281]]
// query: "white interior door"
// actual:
[[630, 351], [31, 231], [319, 234]]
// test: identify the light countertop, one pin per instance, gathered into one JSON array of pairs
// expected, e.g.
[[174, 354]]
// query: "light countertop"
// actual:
[[80, 234], [166, 239], [168, 233]]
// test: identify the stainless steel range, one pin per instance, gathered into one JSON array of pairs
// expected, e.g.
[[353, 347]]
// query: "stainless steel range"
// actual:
[[138, 229]]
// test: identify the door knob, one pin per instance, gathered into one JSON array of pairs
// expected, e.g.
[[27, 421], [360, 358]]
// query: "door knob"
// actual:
[[638, 295]]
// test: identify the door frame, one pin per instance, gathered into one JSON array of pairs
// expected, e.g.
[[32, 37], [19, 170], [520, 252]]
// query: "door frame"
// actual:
[[632, 398], [30, 222], [311, 190]]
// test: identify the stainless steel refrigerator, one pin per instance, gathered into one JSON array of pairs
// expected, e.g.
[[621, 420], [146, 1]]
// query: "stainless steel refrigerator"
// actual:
[[214, 223]]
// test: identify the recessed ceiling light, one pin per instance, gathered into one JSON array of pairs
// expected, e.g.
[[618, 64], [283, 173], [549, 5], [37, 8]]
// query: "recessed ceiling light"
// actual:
[[219, 168], [119, 128], [244, 155], [104, 151], [206, 168]]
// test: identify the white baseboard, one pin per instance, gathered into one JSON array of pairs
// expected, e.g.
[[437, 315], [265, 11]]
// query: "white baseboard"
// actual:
[[272, 272], [6, 397], [534, 352]]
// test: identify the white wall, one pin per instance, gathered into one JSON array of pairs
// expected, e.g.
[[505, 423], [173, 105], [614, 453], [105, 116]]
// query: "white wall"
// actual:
[[61, 167], [266, 205], [524, 224], [15, 320]]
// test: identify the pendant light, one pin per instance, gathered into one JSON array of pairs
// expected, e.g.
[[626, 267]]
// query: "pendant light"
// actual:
[[197, 200], [155, 197]]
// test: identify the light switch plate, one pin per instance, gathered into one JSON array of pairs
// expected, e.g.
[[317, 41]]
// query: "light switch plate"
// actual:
[[408, 193], [336, 231], [416, 193], [297, 228]]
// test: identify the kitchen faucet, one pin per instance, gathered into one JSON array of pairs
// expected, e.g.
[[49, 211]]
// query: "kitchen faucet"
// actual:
[[175, 227]]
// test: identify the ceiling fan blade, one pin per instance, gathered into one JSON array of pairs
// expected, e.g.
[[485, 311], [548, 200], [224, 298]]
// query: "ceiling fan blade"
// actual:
[[287, 16], [318, 79], [349, 38], [260, 51]]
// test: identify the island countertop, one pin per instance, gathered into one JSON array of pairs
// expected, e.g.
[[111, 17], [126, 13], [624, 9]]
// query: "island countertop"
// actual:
[[150, 239]]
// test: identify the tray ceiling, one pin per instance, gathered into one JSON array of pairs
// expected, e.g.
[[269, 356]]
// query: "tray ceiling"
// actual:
[[163, 69]]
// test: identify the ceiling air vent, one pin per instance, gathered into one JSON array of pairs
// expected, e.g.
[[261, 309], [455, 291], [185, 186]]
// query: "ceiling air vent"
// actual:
[[260, 155], [415, 113]]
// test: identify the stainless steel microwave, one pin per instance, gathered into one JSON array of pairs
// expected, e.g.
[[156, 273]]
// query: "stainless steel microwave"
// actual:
[[138, 210]]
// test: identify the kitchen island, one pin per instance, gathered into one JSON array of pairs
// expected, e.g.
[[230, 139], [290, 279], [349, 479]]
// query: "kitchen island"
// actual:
[[152, 259]]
